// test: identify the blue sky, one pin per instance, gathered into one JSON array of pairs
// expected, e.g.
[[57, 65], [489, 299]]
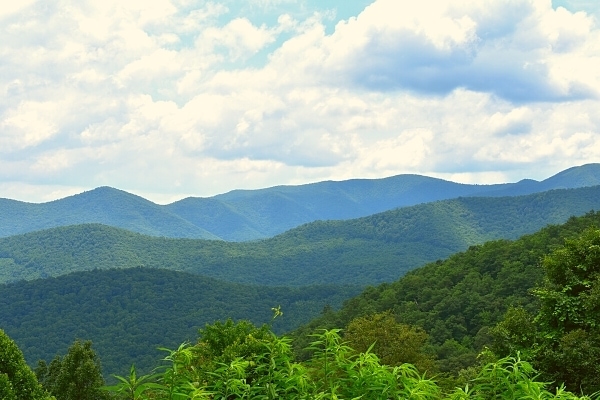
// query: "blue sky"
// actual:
[[176, 98]]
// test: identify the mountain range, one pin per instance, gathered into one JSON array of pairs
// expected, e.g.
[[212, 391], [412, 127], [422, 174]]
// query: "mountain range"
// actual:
[[243, 215], [128, 313], [362, 251], [114, 267]]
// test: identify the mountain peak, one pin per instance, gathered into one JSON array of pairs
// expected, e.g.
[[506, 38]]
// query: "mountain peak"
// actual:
[[579, 176], [242, 215]]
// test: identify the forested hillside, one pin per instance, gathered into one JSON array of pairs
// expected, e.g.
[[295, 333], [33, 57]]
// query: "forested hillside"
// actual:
[[458, 300], [129, 313], [447, 311], [257, 214], [374, 249]]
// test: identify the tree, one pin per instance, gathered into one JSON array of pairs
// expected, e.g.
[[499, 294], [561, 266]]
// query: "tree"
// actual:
[[17, 381], [515, 333], [563, 340], [223, 342], [570, 295], [76, 376], [392, 342], [234, 360], [569, 317]]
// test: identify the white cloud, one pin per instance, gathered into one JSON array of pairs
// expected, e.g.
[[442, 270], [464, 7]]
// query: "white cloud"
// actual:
[[436, 47], [30, 124], [239, 37], [12, 7], [159, 64], [172, 96], [517, 121]]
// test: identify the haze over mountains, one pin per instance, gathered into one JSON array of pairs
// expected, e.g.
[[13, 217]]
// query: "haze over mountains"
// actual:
[[377, 248], [243, 215]]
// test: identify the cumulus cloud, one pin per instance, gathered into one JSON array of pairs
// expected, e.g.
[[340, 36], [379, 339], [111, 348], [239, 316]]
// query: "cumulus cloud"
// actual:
[[511, 49], [195, 98]]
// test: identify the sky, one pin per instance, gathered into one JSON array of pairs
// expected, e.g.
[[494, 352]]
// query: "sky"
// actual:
[[174, 98]]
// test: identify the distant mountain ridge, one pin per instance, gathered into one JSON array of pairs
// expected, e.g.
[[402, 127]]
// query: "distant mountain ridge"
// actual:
[[242, 215], [362, 251]]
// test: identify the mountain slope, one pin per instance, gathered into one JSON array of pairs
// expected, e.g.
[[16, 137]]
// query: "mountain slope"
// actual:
[[270, 211], [257, 214], [363, 251], [102, 205], [129, 313], [459, 299]]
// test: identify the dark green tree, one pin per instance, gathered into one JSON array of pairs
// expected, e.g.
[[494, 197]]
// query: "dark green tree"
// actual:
[[224, 341], [515, 333], [569, 317], [570, 295], [76, 376], [392, 342], [17, 381], [563, 340]]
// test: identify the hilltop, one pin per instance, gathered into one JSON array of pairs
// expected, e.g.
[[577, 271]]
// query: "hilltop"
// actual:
[[243, 215], [363, 251]]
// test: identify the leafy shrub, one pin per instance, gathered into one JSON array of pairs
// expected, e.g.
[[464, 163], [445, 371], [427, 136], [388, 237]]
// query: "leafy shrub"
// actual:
[[17, 381]]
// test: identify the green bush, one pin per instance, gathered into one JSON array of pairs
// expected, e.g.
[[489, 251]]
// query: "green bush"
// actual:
[[17, 380], [252, 363]]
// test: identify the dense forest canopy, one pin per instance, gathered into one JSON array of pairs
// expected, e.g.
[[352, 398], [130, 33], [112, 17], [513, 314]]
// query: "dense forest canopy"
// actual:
[[456, 303], [129, 313], [458, 300]]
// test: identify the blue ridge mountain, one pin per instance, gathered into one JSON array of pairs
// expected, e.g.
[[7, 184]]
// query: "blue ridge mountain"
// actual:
[[243, 215], [362, 251], [104, 205]]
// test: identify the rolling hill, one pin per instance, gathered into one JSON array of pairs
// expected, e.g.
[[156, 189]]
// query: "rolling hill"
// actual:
[[243, 215], [102, 205], [458, 300], [363, 251], [129, 313]]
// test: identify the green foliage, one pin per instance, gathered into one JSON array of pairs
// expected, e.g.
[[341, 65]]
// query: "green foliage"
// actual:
[[563, 340], [515, 333], [572, 358], [233, 360], [269, 372], [336, 371], [262, 367], [393, 343], [569, 316], [129, 313], [7, 391], [134, 387], [76, 376], [340, 372], [509, 378], [17, 381], [570, 295], [457, 301], [224, 342]]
